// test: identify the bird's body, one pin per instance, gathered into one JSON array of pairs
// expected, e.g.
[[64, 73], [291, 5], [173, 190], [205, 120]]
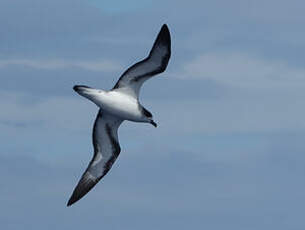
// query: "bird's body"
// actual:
[[114, 102], [116, 105], [123, 106]]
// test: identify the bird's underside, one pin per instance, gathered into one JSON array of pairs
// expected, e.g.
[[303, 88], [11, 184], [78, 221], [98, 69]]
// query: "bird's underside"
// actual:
[[105, 129], [106, 150]]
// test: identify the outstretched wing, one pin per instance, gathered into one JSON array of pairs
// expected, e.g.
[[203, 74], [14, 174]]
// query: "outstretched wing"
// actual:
[[106, 151], [132, 79]]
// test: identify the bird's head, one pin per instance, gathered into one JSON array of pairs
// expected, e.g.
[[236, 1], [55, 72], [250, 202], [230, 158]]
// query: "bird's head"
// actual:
[[153, 123], [149, 117]]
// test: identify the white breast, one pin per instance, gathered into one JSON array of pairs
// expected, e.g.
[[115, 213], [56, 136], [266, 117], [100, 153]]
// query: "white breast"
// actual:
[[120, 105]]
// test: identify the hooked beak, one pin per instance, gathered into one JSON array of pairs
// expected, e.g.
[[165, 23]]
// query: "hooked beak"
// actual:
[[153, 123]]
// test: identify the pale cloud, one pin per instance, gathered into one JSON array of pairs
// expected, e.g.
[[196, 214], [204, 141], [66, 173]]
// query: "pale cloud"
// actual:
[[244, 70], [91, 65], [56, 112], [239, 114], [243, 112]]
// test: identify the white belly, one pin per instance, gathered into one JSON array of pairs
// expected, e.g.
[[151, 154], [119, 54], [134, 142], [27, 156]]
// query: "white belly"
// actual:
[[120, 105]]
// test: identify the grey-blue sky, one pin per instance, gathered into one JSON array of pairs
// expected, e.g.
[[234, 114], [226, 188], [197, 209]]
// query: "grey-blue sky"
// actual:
[[228, 152]]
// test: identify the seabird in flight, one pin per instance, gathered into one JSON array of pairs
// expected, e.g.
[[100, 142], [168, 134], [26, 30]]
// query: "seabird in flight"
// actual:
[[116, 105]]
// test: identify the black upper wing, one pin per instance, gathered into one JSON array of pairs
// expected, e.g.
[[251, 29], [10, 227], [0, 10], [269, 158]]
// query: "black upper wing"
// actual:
[[156, 62]]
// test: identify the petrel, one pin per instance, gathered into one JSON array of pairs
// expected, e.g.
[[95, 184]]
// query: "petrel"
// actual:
[[116, 105]]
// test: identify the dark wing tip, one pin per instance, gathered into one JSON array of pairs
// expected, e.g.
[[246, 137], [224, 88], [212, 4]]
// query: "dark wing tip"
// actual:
[[165, 28], [162, 41], [70, 202], [83, 187], [164, 36]]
